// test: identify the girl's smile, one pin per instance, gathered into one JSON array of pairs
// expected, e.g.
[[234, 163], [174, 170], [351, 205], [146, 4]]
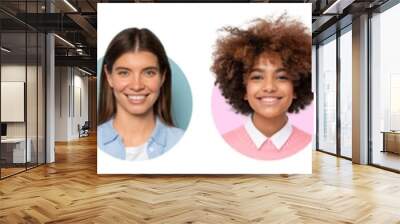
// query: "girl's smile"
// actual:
[[269, 90]]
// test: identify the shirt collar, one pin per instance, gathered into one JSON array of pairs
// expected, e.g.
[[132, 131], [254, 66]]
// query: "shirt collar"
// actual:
[[158, 135], [278, 139]]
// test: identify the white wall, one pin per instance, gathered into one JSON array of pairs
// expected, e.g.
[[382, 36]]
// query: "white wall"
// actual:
[[61, 103], [14, 72], [71, 93]]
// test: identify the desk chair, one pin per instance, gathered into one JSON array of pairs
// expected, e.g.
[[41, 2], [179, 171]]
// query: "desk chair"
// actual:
[[84, 130]]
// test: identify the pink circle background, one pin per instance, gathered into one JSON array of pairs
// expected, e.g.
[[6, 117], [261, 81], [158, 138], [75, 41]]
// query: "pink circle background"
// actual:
[[226, 119]]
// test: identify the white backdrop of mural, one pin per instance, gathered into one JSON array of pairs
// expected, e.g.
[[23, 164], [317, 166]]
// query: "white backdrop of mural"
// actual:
[[188, 33]]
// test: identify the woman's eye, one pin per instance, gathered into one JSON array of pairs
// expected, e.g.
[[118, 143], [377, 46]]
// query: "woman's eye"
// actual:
[[123, 73], [150, 73]]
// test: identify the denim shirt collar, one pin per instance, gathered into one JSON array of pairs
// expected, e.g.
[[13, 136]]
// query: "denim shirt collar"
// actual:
[[156, 142]]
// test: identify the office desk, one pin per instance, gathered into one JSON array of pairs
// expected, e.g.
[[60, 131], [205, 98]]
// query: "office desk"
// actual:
[[391, 141], [16, 147]]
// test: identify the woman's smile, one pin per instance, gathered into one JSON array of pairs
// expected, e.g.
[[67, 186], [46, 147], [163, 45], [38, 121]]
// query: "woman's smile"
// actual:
[[137, 99], [136, 82]]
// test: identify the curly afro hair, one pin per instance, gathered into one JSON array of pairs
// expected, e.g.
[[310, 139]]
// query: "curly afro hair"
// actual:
[[236, 53]]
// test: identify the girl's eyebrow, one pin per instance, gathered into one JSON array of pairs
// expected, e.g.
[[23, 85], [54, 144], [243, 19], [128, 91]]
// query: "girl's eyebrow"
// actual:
[[280, 70], [257, 69]]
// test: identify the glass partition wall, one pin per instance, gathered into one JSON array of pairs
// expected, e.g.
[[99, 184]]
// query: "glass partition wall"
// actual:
[[385, 89], [22, 77], [334, 83], [13, 95], [327, 95]]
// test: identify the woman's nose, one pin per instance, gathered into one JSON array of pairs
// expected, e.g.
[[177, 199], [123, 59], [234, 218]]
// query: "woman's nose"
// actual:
[[136, 83]]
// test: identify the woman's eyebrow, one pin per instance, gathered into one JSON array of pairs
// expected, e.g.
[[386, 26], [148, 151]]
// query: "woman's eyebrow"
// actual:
[[122, 68], [146, 68], [151, 68]]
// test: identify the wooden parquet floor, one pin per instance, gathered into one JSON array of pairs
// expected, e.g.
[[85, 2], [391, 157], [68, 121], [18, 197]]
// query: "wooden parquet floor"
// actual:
[[70, 191]]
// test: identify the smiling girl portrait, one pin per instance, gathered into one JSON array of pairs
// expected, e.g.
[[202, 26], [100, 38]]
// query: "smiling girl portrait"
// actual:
[[264, 71], [135, 119]]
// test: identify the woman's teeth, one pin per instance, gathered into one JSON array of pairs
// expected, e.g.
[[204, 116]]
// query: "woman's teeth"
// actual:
[[141, 97]]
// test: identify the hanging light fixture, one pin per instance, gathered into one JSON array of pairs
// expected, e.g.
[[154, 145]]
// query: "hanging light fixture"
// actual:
[[5, 49]]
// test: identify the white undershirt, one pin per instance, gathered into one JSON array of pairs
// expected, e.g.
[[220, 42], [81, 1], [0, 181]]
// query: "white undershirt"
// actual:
[[136, 153]]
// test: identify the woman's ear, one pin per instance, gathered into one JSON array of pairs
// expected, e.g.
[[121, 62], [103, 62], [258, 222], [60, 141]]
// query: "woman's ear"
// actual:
[[108, 76]]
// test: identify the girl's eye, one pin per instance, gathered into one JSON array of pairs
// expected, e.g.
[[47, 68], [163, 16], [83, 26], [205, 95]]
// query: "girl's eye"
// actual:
[[282, 77], [256, 76]]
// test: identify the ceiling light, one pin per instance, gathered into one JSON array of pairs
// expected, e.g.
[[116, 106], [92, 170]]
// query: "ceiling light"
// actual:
[[70, 5], [64, 40], [84, 71], [338, 6], [5, 50]]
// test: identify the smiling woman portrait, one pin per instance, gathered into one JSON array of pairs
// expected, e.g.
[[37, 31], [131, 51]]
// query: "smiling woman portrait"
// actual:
[[135, 119], [264, 71]]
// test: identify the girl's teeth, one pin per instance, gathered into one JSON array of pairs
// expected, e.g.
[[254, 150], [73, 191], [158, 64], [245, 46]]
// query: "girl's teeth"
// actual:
[[269, 99]]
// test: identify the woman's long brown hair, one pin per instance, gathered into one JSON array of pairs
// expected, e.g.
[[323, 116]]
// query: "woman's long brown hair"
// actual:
[[134, 40]]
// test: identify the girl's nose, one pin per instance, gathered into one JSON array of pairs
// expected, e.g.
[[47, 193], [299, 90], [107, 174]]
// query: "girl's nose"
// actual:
[[269, 84]]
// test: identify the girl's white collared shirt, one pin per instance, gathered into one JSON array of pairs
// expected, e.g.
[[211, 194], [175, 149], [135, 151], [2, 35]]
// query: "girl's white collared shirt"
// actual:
[[258, 138]]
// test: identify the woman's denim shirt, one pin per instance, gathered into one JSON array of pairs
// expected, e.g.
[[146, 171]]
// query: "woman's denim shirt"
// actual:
[[161, 140]]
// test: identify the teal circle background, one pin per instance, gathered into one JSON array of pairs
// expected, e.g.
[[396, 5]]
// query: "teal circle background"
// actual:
[[182, 103]]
